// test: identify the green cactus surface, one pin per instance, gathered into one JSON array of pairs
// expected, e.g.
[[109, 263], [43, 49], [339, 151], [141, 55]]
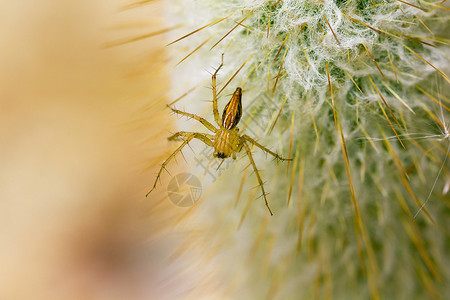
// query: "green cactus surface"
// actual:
[[356, 94]]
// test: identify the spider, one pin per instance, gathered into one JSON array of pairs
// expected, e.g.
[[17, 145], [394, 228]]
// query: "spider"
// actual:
[[226, 141]]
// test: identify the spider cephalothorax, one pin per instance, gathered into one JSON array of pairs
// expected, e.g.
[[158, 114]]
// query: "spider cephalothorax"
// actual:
[[226, 140]]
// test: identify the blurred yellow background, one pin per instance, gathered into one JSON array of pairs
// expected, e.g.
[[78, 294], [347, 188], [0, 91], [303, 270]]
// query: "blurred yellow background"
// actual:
[[78, 132]]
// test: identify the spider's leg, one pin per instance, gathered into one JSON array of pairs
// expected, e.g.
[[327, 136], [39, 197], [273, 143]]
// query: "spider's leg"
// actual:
[[249, 139], [204, 137], [214, 89], [189, 136], [250, 157], [195, 117]]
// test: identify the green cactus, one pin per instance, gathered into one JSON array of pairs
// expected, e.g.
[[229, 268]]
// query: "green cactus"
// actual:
[[355, 93]]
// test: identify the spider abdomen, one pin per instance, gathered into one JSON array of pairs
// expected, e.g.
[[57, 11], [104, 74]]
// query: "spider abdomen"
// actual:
[[233, 110], [225, 143]]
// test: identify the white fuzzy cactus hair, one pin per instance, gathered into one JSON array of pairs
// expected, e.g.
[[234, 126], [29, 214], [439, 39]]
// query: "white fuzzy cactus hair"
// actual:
[[354, 92]]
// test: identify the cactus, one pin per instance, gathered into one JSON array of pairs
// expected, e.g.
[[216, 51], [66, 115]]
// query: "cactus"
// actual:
[[355, 93]]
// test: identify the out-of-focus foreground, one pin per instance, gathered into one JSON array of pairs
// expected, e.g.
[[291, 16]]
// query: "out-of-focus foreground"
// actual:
[[75, 124]]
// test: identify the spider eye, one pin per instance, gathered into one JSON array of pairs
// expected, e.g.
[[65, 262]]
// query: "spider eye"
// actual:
[[233, 110]]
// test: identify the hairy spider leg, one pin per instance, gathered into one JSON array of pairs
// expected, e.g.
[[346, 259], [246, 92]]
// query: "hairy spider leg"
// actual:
[[214, 90], [195, 117], [189, 136], [250, 157], [252, 141], [204, 137]]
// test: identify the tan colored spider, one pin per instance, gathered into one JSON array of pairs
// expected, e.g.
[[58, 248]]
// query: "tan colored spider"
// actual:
[[226, 139]]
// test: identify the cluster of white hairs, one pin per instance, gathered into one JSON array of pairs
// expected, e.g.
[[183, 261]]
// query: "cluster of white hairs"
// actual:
[[341, 87], [312, 33]]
